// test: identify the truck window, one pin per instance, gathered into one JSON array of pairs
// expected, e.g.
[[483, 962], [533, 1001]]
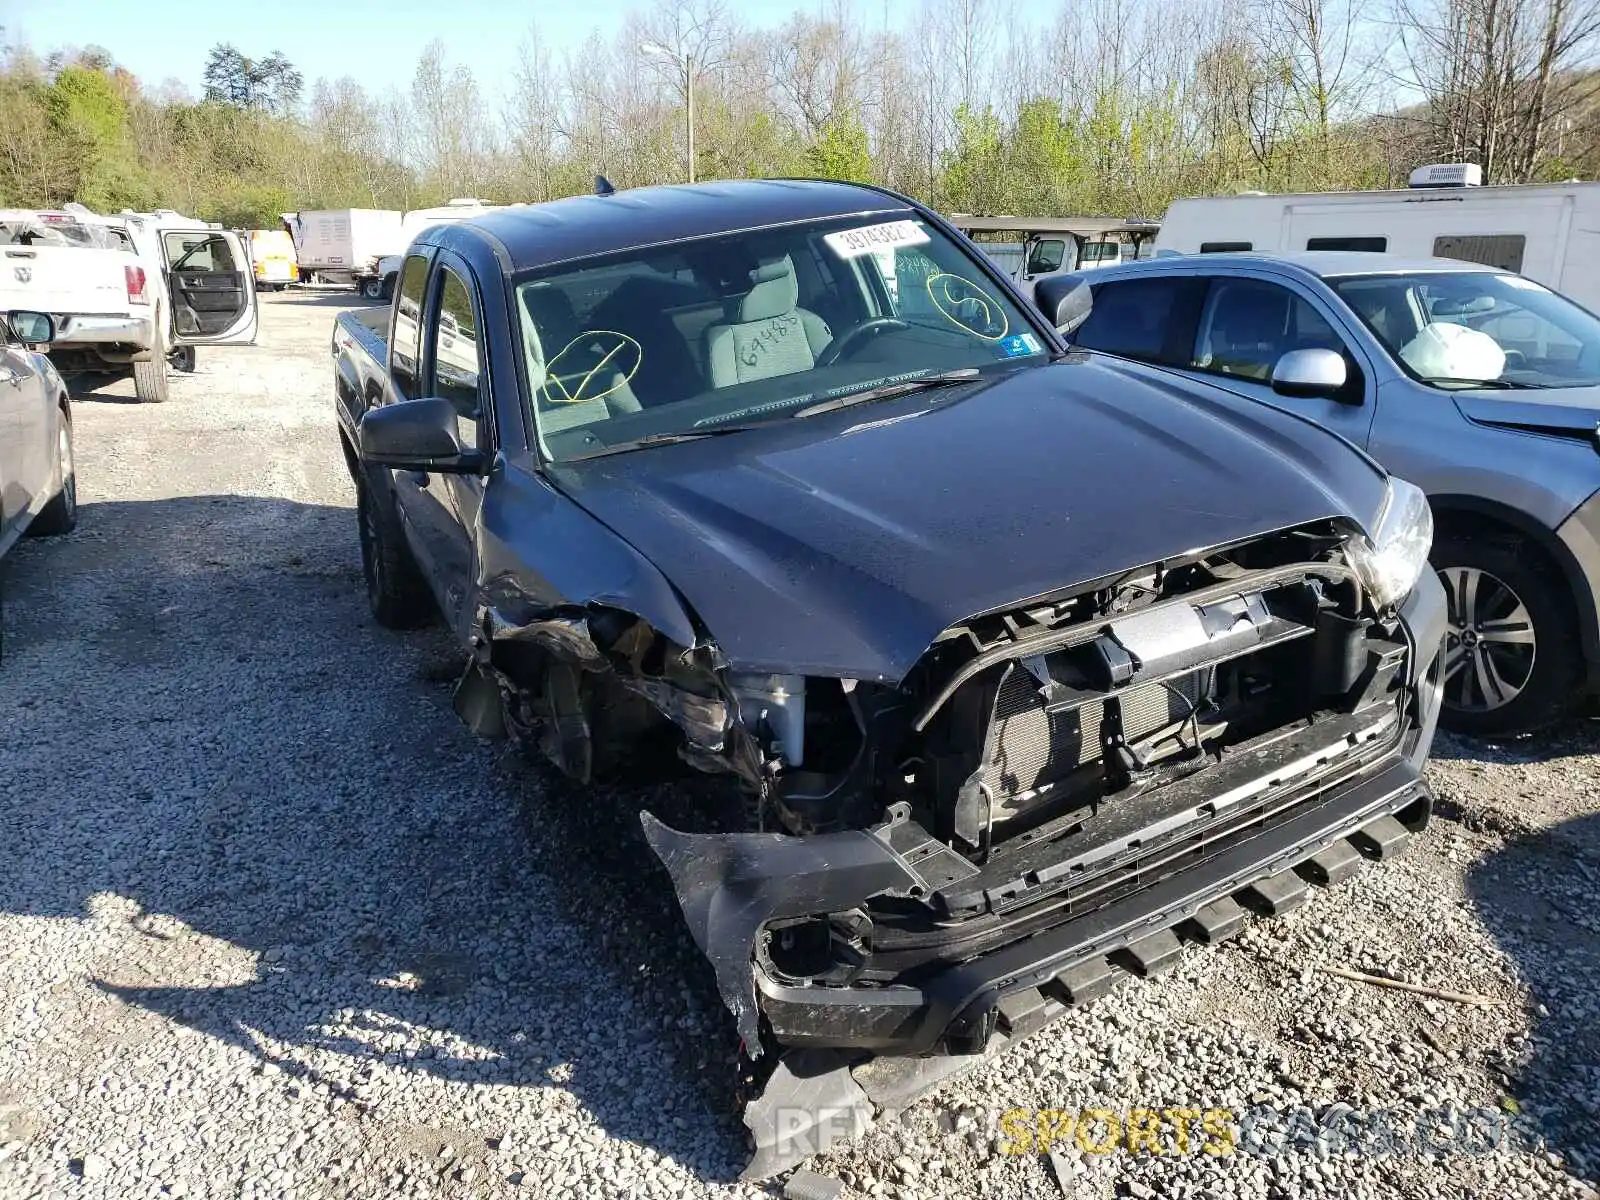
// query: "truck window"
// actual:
[[453, 340], [1366, 245], [1135, 319], [1247, 326], [407, 318], [1503, 250], [1225, 247], [1046, 256]]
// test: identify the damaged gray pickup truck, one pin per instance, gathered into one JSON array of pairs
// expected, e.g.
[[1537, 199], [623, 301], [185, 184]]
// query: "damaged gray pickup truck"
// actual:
[[1030, 665]]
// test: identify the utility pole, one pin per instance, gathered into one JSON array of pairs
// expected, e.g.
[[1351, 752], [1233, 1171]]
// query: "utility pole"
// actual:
[[685, 63]]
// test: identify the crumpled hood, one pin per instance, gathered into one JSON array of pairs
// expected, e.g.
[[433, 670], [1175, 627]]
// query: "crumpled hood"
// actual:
[[844, 544]]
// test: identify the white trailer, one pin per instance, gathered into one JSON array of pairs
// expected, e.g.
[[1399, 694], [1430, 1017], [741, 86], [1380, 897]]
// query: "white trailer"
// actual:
[[343, 243], [1548, 232], [378, 283]]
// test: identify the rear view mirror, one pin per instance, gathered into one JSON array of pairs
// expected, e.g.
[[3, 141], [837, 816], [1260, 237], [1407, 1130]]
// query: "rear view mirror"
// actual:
[[32, 328], [1310, 374], [416, 435], [1065, 300]]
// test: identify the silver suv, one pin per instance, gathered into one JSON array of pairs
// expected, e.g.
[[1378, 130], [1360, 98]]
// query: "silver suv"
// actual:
[[1478, 385]]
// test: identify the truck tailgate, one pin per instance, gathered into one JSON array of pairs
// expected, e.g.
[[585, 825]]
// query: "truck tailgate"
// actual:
[[65, 279]]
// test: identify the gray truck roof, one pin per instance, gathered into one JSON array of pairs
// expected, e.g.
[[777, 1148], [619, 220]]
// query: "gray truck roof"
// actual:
[[584, 226], [1325, 264]]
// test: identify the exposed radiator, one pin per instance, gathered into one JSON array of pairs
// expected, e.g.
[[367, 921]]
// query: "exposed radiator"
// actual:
[[1030, 747]]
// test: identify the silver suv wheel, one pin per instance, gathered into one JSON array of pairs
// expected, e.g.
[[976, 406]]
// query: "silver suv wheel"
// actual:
[[1490, 647]]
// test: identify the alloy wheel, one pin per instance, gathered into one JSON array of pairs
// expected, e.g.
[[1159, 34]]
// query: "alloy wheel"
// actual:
[[1490, 645]]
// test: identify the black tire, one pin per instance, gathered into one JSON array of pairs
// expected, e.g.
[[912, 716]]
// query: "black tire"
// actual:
[[396, 591], [150, 378], [1517, 664], [372, 288], [386, 293], [183, 359], [61, 514]]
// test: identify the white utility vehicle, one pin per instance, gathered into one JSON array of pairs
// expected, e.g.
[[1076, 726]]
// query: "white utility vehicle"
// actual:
[[1548, 232], [128, 294], [380, 285], [1030, 249], [341, 245]]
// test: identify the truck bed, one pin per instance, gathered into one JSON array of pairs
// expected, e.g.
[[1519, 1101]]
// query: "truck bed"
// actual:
[[361, 352]]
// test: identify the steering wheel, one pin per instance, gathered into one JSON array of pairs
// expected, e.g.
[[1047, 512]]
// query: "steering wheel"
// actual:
[[858, 337]]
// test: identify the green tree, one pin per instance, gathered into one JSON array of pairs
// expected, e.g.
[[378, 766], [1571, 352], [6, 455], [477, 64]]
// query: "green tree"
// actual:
[[269, 85], [974, 169], [840, 151], [1047, 168], [88, 114]]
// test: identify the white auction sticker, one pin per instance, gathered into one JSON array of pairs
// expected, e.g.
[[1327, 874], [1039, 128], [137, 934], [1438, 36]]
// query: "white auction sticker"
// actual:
[[853, 243]]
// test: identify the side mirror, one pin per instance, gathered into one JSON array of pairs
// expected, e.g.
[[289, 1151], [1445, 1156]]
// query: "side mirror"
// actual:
[[416, 435], [1065, 300], [1310, 374], [32, 328]]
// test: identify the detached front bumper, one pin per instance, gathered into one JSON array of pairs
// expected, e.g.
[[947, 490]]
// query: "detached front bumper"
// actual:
[[1183, 866]]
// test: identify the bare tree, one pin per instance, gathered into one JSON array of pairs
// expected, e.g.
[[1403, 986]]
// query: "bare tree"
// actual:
[[684, 41], [532, 116], [1499, 76]]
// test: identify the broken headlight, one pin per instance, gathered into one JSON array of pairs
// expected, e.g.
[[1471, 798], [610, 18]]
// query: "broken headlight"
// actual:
[[1392, 559]]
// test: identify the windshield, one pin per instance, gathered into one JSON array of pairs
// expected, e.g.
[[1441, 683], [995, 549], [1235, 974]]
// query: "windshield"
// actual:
[[756, 326], [1456, 329]]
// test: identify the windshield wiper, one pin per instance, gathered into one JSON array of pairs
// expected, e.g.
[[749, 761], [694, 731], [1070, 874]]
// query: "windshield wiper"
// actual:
[[887, 391], [667, 439], [1469, 384]]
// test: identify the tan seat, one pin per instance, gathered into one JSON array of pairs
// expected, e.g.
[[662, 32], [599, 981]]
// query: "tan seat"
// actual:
[[554, 329], [769, 333]]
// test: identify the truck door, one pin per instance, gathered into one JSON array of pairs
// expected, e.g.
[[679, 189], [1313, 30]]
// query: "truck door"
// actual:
[[1044, 256], [211, 287], [454, 369]]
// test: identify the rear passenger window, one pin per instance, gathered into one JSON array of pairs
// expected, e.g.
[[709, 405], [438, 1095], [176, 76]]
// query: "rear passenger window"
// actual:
[[1133, 319], [1225, 247], [1503, 250], [406, 336], [1366, 245]]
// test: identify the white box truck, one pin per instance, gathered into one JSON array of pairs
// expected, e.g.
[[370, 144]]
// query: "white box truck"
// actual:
[[343, 244], [378, 283], [1548, 232]]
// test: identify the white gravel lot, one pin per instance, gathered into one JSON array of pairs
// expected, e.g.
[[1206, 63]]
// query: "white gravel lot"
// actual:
[[273, 924]]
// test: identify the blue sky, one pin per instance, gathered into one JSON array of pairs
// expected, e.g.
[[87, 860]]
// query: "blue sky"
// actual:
[[376, 41]]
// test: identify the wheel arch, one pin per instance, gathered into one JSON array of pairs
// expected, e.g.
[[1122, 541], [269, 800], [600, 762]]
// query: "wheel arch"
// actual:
[[1474, 516], [352, 460]]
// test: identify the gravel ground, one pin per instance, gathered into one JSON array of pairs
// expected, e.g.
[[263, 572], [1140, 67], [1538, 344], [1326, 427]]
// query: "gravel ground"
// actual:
[[272, 923]]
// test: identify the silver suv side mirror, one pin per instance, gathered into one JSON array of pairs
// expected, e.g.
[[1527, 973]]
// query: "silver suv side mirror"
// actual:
[[1310, 374], [32, 328]]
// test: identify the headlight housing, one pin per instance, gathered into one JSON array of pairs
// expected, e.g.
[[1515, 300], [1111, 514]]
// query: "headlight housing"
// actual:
[[1390, 562]]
